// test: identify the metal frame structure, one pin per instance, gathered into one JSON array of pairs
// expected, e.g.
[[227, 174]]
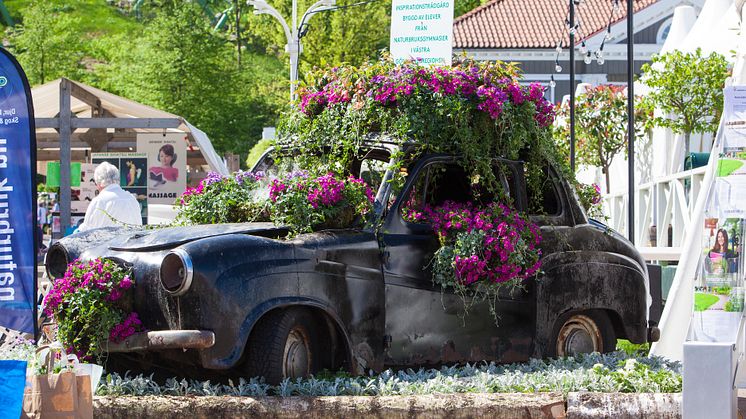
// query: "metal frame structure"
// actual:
[[65, 123]]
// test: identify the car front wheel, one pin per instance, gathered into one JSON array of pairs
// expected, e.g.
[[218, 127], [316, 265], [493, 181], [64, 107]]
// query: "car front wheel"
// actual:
[[586, 332], [283, 345]]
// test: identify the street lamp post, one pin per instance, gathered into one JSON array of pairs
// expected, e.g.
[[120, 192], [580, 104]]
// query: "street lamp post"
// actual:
[[292, 34]]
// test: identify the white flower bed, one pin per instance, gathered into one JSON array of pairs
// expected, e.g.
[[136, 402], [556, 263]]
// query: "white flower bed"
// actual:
[[616, 372]]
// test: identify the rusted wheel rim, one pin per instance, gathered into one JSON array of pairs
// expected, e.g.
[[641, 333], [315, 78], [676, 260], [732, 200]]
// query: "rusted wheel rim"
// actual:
[[297, 357], [579, 335]]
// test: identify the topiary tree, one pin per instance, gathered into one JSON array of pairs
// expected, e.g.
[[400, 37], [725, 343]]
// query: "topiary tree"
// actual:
[[688, 88], [600, 126]]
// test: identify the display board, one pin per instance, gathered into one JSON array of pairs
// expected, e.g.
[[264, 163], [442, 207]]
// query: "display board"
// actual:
[[422, 30], [132, 175], [166, 166]]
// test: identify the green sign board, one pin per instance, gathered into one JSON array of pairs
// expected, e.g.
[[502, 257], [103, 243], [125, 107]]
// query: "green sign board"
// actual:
[[53, 174]]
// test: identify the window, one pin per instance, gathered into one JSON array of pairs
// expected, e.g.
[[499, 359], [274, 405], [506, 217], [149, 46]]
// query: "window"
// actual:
[[542, 190], [441, 182]]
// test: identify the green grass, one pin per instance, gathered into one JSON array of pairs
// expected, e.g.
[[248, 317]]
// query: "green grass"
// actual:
[[728, 166], [95, 17], [632, 349], [703, 301]]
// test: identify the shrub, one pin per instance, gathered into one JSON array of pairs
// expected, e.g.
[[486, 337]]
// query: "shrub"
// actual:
[[302, 201], [224, 199]]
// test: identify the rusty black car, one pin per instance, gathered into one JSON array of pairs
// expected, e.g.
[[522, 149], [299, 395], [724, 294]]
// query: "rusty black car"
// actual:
[[249, 300]]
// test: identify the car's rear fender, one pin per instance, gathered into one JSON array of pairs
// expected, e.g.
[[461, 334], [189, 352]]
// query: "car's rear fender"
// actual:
[[592, 280]]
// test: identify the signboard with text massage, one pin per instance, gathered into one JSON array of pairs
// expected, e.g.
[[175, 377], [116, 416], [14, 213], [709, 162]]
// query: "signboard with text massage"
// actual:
[[166, 170], [18, 228], [422, 30]]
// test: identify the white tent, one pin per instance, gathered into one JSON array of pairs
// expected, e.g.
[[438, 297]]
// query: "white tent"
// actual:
[[88, 102]]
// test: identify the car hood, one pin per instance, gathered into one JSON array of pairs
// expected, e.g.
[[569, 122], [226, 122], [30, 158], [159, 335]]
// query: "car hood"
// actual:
[[165, 238]]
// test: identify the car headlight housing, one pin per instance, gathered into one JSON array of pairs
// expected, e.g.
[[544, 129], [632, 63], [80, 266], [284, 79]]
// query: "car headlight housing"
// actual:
[[56, 261], [176, 272]]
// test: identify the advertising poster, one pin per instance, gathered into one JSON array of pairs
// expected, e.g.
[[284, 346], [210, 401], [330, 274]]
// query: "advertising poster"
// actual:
[[734, 112], [422, 30], [132, 175], [19, 234], [165, 173]]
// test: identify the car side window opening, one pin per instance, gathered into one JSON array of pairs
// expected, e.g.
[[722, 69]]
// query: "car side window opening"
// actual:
[[543, 198], [441, 182]]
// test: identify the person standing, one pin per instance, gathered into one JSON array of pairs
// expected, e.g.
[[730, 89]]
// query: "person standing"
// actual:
[[113, 206], [41, 221]]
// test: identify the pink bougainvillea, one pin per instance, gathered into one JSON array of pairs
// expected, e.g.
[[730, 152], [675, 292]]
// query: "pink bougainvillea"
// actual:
[[89, 305], [493, 244]]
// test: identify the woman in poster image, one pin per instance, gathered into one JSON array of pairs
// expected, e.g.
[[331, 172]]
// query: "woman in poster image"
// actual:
[[159, 175], [721, 258]]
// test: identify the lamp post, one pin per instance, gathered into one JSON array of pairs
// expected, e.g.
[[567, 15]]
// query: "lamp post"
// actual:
[[293, 46]]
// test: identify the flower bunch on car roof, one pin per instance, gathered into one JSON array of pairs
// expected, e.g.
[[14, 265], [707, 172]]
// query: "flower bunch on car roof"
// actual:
[[476, 110], [489, 89], [304, 201], [237, 198]]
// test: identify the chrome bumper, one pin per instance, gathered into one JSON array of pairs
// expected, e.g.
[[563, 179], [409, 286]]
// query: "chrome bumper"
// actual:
[[165, 339]]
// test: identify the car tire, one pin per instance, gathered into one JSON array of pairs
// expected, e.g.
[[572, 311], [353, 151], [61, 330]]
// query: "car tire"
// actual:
[[283, 345], [582, 332]]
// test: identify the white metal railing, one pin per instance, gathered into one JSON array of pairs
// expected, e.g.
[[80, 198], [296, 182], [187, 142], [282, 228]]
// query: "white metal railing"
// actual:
[[666, 203]]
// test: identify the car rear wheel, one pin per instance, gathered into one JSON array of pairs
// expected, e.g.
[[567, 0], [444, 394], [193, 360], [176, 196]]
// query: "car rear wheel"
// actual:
[[283, 345], [586, 332]]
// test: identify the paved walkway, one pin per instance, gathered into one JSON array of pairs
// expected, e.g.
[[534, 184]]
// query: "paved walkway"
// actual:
[[720, 305]]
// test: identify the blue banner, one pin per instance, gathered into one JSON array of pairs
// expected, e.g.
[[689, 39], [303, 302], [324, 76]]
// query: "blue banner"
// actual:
[[19, 234]]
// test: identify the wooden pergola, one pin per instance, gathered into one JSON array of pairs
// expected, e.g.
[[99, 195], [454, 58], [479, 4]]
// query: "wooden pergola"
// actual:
[[74, 120]]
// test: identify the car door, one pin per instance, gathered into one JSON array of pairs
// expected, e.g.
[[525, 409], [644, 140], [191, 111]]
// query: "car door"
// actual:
[[426, 324]]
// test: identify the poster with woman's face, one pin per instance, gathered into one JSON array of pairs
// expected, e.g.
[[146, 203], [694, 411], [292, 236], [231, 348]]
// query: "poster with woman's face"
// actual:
[[165, 171], [721, 284]]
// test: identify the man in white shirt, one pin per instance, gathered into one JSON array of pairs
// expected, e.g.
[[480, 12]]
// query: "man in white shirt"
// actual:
[[113, 206]]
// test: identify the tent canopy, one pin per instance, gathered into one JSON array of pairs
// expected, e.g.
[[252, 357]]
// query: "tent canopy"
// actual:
[[103, 121]]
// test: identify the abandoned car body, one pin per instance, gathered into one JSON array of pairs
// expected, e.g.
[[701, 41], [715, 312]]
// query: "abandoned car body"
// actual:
[[244, 298]]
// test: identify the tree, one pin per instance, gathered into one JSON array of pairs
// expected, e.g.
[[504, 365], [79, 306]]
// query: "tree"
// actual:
[[180, 65], [47, 43], [600, 126], [688, 89], [350, 35]]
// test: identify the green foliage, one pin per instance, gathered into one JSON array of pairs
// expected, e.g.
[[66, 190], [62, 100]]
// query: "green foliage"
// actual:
[[181, 66], [91, 305], [350, 35], [464, 6], [474, 110], [223, 199], [48, 44], [256, 152], [632, 376], [632, 349], [600, 126], [688, 89], [724, 290], [304, 202], [590, 199], [600, 373]]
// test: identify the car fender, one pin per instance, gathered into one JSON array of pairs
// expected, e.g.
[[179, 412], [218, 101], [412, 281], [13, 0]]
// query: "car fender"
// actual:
[[592, 280], [250, 321]]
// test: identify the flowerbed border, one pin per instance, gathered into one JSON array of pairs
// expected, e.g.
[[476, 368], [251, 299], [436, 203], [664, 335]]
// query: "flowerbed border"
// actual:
[[475, 405]]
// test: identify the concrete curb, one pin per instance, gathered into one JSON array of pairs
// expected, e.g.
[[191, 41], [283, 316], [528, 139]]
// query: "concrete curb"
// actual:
[[505, 405], [624, 405]]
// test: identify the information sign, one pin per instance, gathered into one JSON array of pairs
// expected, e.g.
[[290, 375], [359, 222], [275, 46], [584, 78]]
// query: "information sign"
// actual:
[[422, 30]]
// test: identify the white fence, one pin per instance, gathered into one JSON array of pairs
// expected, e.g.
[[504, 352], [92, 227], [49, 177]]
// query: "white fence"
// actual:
[[666, 203]]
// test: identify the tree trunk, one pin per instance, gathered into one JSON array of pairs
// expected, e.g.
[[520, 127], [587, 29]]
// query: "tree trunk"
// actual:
[[687, 144], [608, 181]]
